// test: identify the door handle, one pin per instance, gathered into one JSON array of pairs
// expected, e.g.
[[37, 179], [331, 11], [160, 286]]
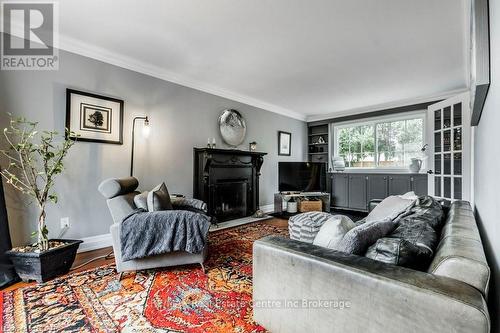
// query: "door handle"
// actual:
[[430, 172]]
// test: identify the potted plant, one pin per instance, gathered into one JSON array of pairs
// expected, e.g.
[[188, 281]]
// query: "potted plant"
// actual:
[[34, 160]]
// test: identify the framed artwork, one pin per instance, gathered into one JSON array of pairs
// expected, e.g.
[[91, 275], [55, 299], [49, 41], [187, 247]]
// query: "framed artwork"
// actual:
[[94, 118], [284, 143]]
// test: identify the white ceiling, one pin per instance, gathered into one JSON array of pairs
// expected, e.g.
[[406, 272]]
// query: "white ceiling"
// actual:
[[305, 58]]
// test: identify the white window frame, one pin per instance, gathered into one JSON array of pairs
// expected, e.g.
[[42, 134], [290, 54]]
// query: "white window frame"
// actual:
[[335, 127]]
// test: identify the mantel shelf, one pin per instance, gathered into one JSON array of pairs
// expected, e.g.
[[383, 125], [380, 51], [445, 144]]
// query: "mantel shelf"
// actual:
[[229, 151]]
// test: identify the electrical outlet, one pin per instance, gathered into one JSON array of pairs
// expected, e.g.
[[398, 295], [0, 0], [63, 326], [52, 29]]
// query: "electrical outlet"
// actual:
[[64, 222]]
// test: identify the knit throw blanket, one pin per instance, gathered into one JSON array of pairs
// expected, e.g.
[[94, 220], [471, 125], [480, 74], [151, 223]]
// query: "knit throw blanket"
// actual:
[[145, 234]]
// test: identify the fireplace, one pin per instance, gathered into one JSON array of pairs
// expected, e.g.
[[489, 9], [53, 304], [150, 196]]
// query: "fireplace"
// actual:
[[228, 181]]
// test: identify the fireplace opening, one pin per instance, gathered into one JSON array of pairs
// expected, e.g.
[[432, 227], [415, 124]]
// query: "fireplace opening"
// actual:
[[230, 199]]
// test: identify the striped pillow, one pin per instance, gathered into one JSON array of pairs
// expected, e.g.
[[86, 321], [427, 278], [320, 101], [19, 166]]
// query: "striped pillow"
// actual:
[[304, 227]]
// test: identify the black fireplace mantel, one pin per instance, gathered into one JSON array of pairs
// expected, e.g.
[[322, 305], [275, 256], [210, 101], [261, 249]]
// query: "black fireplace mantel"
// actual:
[[228, 181]]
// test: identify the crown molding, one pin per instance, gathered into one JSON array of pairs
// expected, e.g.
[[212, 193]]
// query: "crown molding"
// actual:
[[84, 49], [389, 105]]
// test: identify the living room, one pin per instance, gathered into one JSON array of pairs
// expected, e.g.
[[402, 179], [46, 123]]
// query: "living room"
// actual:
[[212, 157]]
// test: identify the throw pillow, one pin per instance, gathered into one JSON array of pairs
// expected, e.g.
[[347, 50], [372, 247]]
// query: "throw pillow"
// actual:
[[333, 230], [141, 200], [159, 199], [359, 238], [391, 207]]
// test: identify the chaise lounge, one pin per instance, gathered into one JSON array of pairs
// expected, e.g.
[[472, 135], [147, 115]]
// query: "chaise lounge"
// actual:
[[120, 195]]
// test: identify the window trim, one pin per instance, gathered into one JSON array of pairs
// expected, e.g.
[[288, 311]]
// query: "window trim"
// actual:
[[335, 127]]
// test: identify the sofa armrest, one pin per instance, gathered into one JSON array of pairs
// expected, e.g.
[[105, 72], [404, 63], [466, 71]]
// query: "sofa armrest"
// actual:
[[318, 289]]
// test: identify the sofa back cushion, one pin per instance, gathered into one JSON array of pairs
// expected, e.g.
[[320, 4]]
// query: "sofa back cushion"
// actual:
[[460, 253], [121, 206]]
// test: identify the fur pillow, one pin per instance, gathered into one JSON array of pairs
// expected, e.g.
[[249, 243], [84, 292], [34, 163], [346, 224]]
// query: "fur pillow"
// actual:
[[333, 230], [359, 238], [159, 199], [141, 200]]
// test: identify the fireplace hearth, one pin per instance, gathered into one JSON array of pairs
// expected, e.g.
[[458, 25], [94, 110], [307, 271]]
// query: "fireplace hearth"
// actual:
[[228, 181]]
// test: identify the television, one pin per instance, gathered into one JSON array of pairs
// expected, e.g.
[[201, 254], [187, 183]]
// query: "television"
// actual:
[[302, 176]]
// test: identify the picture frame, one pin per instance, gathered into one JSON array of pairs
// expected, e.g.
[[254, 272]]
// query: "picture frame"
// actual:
[[284, 143], [94, 118]]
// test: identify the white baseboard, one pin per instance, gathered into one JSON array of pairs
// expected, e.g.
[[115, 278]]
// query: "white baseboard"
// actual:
[[267, 208], [95, 242]]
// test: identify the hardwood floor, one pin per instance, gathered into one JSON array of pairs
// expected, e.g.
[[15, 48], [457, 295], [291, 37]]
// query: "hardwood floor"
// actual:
[[83, 257]]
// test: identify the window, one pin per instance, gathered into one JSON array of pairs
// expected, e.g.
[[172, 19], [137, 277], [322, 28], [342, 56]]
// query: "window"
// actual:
[[382, 143]]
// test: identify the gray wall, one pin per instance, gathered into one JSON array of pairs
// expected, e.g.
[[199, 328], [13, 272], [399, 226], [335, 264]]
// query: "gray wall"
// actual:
[[181, 118], [487, 177]]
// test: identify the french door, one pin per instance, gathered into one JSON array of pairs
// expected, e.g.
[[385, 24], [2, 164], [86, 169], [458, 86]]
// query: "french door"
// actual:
[[449, 151]]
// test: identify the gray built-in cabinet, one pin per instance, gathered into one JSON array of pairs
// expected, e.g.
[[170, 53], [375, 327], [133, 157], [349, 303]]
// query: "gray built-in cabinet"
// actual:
[[355, 190]]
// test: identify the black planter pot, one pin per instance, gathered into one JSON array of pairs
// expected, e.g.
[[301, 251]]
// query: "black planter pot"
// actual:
[[46, 265]]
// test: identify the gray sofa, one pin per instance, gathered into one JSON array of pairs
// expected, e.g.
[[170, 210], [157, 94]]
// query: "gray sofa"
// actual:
[[300, 287], [119, 194]]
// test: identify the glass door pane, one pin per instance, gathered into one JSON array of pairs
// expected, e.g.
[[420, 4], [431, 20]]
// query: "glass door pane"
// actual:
[[447, 117], [457, 114], [437, 186], [437, 120], [448, 151]]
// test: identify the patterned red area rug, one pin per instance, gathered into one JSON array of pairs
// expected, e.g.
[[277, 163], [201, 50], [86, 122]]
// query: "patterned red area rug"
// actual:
[[181, 299]]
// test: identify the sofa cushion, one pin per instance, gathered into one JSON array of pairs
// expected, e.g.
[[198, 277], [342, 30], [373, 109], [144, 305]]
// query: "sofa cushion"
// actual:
[[141, 200], [121, 206], [391, 207], [333, 230], [359, 238], [159, 199]]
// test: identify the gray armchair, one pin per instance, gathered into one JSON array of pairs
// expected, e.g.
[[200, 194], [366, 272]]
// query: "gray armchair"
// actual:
[[119, 194]]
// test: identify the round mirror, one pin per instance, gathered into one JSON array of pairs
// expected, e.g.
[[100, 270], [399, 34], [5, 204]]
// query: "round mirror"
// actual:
[[232, 127]]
